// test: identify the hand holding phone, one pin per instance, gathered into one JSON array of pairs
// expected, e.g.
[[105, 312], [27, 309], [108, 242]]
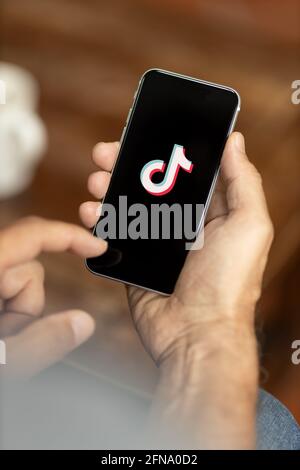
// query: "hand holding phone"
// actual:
[[163, 178], [219, 284]]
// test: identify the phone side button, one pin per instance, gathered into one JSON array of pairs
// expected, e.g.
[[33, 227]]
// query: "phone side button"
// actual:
[[128, 117], [123, 133]]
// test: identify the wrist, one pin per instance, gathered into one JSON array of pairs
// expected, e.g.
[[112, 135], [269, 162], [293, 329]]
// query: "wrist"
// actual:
[[211, 377], [200, 340]]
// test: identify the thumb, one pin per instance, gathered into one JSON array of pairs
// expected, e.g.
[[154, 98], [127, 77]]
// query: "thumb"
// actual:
[[242, 180], [45, 342]]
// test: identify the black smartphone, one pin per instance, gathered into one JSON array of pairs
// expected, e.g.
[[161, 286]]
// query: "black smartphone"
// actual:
[[169, 157]]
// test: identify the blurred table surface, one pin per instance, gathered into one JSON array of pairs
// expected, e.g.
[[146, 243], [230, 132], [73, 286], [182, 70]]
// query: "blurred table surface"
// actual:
[[88, 57]]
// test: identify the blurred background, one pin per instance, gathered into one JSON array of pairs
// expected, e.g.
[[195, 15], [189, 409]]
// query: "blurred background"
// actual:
[[87, 57]]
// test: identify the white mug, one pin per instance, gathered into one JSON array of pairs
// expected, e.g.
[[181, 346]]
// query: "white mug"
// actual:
[[23, 137]]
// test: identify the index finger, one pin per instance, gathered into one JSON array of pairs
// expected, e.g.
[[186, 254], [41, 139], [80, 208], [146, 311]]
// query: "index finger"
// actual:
[[27, 238]]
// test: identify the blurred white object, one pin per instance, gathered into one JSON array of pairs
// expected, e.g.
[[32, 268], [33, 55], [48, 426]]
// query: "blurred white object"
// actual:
[[23, 137]]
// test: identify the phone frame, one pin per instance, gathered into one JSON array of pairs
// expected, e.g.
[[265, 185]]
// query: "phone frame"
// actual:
[[122, 139]]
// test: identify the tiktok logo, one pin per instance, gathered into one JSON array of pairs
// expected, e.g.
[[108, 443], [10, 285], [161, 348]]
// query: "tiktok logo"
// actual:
[[178, 160]]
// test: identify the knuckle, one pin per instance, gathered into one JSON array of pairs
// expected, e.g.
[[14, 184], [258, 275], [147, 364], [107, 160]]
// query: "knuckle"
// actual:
[[266, 225], [265, 228], [258, 223], [37, 276], [271, 230], [38, 271], [255, 173], [255, 294], [38, 305]]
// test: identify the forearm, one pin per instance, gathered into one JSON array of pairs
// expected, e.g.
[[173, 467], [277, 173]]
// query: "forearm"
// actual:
[[206, 396]]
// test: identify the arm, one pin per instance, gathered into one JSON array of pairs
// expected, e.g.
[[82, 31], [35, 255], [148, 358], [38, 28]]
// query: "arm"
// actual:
[[207, 390]]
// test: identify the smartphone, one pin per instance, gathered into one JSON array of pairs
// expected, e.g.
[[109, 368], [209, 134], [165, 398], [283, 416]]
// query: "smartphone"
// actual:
[[169, 157]]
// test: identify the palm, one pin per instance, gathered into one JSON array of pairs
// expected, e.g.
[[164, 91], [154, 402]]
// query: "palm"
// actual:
[[149, 308]]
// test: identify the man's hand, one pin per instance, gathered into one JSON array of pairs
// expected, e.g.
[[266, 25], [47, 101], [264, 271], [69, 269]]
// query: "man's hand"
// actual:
[[202, 336], [34, 343], [222, 281]]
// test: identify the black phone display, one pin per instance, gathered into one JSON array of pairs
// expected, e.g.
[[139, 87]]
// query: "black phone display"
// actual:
[[169, 157]]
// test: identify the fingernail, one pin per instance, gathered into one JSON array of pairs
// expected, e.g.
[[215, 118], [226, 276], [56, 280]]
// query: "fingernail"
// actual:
[[239, 142], [83, 326]]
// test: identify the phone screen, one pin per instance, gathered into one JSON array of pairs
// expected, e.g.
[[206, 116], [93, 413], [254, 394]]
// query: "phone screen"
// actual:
[[169, 154]]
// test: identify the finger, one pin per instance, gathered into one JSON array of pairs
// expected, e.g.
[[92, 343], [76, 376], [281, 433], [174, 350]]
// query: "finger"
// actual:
[[243, 183], [11, 322], [89, 213], [105, 154], [22, 288], [218, 205], [98, 183], [23, 295], [45, 342], [24, 240]]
